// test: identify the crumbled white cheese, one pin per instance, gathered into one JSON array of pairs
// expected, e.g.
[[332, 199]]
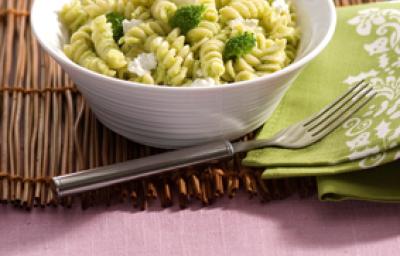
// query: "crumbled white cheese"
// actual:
[[143, 64], [246, 24], [128, 24], [252, 23], [281, 6], [207, 82], [199, 73]]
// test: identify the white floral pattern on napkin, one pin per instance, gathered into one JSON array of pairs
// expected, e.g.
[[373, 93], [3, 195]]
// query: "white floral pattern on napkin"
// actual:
[[382, 119]]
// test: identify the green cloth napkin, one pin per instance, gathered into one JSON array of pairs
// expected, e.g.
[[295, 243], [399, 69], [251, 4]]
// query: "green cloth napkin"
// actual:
[[376, 184], [366, 46]]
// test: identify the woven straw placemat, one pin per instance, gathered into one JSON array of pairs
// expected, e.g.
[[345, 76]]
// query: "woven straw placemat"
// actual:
[[46, 129]]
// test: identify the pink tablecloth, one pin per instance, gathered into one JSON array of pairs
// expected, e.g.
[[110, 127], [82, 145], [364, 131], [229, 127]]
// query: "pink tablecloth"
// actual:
[[230, 227]]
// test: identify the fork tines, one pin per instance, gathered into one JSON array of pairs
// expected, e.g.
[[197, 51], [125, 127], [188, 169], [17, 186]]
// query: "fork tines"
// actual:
[[342, 109]]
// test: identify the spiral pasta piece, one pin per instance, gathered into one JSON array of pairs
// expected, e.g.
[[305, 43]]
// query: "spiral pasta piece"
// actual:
[[271, 19], [221, 3], [146, 79], [160, 74], [246, 9], [291, 52], [293, 15], [245, 67], [137, 35], [132, 42], [163, 10], [97, 7], [241, 69], [273, 56], [168, 59], [105, 45], [261, 41], [80, 51], [224, 34], [211, 13], [280, 25], [145, 3], [287, 32], [203, 32], [211, 60], [245, 75], [159, 27], [73, 16], [177, 42], [125, 7], [132, 51], [141, 13]]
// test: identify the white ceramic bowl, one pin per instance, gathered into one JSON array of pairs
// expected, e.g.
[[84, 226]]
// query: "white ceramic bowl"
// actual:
[[167, 117]]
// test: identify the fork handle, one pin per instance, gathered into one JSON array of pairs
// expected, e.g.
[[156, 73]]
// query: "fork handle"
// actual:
[[112, 174]]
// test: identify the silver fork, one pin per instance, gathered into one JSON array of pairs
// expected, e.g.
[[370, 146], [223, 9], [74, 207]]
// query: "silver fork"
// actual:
[[299, 135]]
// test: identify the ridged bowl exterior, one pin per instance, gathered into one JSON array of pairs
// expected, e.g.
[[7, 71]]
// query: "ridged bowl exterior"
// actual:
[[177, 117]]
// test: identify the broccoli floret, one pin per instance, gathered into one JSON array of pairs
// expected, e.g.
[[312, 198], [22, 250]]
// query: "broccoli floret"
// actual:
[[116, 21], [239, 45], [187, 17]]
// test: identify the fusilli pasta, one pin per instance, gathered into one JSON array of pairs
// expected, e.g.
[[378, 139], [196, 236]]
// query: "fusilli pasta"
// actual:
[[211, 61], [206, 30], [97, 7], [141, 13], [168, 59], [138, 34], [246, 9], [125, 7], [225, 40], [73, 15], [273, 56], [211, 12], [105, 45], [80, 50], [163, 10], [177, 42]]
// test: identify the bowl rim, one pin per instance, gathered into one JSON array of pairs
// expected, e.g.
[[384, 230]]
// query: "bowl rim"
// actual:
[[115, 81]]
